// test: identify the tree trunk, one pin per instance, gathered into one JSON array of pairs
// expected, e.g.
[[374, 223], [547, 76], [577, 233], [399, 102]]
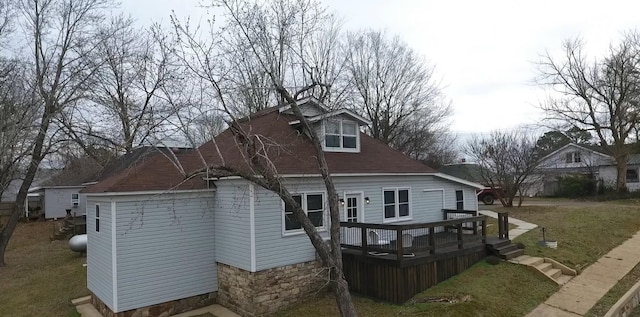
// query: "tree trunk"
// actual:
[[621, 177], [36, 158], [342, 295]]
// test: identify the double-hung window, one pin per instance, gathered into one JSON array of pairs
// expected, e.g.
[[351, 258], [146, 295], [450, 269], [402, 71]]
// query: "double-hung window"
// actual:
[[97, 218], [632, 175], [573, 157], [396, 204], [75, 200], [312, 204], [341, 135], [459, 200]]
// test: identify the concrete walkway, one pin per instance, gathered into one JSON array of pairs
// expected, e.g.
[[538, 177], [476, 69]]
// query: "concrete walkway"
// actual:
[[87, 310], [580, 294], [521, 226]]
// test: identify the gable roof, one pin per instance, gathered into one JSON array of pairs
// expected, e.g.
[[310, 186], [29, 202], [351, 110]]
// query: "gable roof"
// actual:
[[467, 171], [579, 147], [291, 152]]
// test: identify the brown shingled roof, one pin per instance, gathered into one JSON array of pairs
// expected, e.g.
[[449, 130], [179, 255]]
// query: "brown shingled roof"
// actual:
[[291, 152]]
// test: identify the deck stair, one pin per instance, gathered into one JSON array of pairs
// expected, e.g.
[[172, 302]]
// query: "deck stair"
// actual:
[[552, 269], [504, 249]]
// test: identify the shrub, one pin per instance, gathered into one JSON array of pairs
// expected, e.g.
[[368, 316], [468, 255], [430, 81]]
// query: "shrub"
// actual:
[[574, 186], [520, 245]]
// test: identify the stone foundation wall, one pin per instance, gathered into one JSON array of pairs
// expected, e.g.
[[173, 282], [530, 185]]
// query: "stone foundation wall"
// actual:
[[161, 310], [265, 292]]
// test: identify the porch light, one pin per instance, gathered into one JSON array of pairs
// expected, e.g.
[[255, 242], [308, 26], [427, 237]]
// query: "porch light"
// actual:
[[366, 200], [341, 202]]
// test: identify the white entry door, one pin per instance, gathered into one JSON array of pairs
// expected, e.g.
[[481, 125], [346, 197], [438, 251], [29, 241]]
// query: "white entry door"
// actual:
[[353, 207]]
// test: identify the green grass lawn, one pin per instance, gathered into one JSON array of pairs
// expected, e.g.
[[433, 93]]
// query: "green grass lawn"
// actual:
[[41, 277], [584, 234]]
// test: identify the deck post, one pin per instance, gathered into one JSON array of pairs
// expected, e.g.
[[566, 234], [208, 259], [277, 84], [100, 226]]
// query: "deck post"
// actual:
[[432, 240], [363, 237], [459, 227], [503, 225], [399, 246], [484, 230]]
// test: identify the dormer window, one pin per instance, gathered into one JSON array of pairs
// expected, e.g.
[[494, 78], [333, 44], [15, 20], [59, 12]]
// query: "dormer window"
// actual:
[[341, 136]]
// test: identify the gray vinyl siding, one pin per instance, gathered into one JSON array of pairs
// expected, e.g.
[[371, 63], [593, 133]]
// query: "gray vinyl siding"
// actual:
[[58, 200], [274, 250], [99, 260], [165, 248], [232, 220]]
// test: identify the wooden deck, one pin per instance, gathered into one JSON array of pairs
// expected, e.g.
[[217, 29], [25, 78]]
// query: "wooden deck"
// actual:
[[376, 265]]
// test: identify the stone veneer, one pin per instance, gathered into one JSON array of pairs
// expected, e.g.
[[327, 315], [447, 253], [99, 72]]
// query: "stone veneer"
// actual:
[[161, 310], [265, 292]]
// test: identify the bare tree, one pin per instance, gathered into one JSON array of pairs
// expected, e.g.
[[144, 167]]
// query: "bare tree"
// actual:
[[507, 160], [394, 88], [125, 107], [17, 112], [59, 34], [267, 31], [600, 96]]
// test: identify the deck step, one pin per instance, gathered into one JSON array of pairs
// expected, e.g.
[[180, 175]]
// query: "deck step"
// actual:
[[513, 254], [555, 271]]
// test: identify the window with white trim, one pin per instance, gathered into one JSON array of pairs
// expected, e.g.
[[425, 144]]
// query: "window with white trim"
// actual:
[[75, 200], [97, 217], [312, 204], [459, 200], [632, 175], [396, 204], [573, 157], [340, 135]]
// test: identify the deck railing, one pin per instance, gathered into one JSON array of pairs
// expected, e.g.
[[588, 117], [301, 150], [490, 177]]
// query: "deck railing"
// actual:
[[405, 240]]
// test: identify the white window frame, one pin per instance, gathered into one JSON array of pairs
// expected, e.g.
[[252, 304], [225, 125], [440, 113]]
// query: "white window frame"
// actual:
[[75, 202], [397, 204], [341, 148], [303, 200], [96, 213], [637, 180], [573, 157], [459, 201]]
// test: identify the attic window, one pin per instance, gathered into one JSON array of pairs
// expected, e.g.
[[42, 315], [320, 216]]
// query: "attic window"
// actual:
[[573, 157], [341, 136]]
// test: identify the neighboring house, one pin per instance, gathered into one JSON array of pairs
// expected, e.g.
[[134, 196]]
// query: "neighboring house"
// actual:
[[61, 191], [574, 159], [158, 240], [467, 171]]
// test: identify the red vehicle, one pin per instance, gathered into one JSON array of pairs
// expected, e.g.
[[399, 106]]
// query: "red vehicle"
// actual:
[[488, 195]]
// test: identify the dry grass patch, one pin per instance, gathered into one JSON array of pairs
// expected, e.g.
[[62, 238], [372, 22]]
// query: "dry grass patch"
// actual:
[[41, 277]]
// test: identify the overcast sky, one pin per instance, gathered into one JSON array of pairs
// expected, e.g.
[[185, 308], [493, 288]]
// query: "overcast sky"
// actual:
[[484, 51]]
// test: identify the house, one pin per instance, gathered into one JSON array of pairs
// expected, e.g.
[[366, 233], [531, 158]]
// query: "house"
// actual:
[[60, 191], [159, 242], [574, 159]]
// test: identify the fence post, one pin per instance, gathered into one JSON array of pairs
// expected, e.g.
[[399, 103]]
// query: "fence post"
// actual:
[[363, 238], [459, 227], [432, 240]]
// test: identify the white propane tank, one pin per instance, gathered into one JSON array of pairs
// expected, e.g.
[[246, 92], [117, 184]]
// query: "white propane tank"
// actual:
[[78, 243]]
